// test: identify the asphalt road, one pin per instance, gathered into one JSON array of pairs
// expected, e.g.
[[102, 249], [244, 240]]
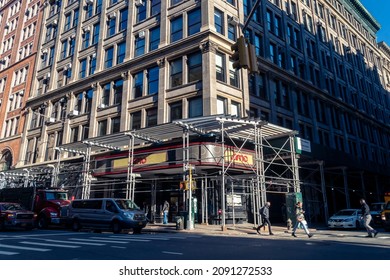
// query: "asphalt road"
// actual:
[[66, 245]]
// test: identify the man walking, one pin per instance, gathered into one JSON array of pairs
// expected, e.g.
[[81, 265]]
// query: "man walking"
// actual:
[[366, 216], [264, 213], [165, 212]]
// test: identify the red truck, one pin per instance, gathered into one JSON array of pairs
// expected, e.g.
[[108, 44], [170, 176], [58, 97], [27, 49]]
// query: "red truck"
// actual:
[[50, 205]]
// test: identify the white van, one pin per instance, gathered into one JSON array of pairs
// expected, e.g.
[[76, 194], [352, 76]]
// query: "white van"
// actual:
[[106, 214]]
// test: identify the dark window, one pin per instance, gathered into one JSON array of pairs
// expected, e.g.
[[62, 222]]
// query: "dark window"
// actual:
[[151, 117], [86, 38], [138, 84], [218, 21], [123, 19], [121, 52], [232, 32], [176, 29], [92, 67], [109, 57], [96, 30], [176, 111], [139, 46], [155, 7], [194, 21], [176, 70], [102, 128], [135, 120], [194, 62], [111, 27], [83, 68], [153, 74], [220, 67], [115, 125], [118, 91], [195, 107], [106, 94], [141, 12], [154, 38]]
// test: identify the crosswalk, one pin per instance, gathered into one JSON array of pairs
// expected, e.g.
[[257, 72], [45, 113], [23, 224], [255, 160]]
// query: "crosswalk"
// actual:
[[46, 243]]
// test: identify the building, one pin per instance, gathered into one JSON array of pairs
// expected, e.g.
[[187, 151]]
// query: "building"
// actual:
[[19, 21], [106, 67]]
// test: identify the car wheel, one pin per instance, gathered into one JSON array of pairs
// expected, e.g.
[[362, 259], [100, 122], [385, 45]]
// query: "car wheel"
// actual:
[[137, 230], [76, 225], [42, 222], [116, 227]]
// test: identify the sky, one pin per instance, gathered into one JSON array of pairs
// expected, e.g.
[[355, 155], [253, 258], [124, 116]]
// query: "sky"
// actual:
[[379, 9]]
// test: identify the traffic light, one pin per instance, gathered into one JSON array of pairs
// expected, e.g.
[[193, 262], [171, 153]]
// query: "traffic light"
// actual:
[[240, 56], [253, 66]]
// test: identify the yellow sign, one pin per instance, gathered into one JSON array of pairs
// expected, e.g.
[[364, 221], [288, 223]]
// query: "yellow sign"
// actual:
[[239, 158], [141, 160]]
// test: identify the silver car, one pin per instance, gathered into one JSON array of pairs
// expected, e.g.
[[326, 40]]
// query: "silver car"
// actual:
[[106, 214]]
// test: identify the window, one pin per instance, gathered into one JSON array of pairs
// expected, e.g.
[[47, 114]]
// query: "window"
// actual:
[[64, 49], [155, 7], [141, 12], [194, 62], [68, 18], [195, 107], [138, 84], [221, 105], [121, 52], [102, 128], [86, 39], [83, 68], [151, 117], [233, 74], [176, 29], [96, 30], [111, 27], [106, 94], [235, 109], [220, 66], [75, 18], [154, 38], [74, 134], [194, 21], [232, 32], [72, 42], [109, 57], [176, 73], [118, 91], [152, 75], [135, 120], [115, 124], [139, 46], [98, 8], [123, 19], [218, 21], [176, 111], [92, 67]]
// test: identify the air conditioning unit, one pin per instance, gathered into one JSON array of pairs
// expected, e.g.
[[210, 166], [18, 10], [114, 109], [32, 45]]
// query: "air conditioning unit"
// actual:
[[50, 120], [72, 36], [73, 113], [6, 25], [86, 29], [111, 16], [55, 23], [233, 20], [139, 3], [102, 106], [319, 23], [89, 2], [2, 61], [141, 34], [11, 97], [21, 93], [27, 13]]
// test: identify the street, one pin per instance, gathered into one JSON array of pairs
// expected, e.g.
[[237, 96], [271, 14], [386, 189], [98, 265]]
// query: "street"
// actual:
[[58, 244]]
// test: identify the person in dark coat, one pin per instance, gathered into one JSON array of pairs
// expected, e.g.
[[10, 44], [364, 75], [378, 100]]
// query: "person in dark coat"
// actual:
[[264, 213], [366, 216]]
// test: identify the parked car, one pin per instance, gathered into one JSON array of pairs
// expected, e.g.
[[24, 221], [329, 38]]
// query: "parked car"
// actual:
[[376, 210], [346, 218], [106, 214], [13, 215]]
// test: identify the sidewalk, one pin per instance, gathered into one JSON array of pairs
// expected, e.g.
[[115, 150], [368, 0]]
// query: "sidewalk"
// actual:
[[238, 229]]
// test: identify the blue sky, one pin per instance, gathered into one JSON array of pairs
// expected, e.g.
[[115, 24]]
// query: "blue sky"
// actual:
[[380, 9]]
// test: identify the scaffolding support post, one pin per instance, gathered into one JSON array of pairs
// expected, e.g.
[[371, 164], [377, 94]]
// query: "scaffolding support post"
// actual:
[[295, 167], [323, 189], [345, 177], [130, 180], [223, 194], [86, 176]]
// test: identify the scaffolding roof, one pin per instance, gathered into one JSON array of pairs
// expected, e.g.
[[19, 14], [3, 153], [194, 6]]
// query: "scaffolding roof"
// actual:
[[211, 125]]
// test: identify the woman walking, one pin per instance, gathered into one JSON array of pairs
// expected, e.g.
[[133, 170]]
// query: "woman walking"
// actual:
[[300, 220]]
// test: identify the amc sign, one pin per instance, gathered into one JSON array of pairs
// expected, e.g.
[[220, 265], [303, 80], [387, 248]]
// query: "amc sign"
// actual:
[[239, 158]]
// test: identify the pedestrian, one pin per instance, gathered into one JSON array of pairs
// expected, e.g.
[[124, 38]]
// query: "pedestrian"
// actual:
[[300, 220], [366, 216], [165, 212], [264, 213]]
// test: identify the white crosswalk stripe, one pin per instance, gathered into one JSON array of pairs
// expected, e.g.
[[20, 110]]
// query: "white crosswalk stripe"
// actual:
[[49, 245], [75, 242], [8, 253], [107, 240], [24, 248]]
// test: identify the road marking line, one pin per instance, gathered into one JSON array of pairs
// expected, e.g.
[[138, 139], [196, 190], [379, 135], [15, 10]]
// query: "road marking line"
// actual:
[[383, 237], [25, 248], [100, 240], [8, 253], [48, 234], [171, 253], [118, 247], [75, 243], [50, 245], [138, 238]]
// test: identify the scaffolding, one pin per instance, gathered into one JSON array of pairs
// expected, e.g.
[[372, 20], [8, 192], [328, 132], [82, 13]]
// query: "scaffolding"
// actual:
[[273, 166]]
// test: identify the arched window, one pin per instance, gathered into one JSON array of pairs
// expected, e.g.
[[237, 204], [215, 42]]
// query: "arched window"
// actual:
[[5, 160]]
